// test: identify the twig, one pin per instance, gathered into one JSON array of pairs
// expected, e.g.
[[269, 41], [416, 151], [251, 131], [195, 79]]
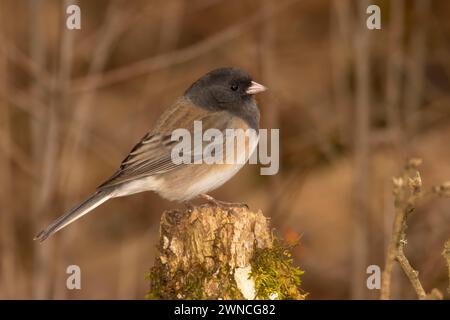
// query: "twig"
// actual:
[[8, 246], [446, 255], [341, 55], [415, 187], [44, 151], [132, 16], [81, 115], [165, 60], [413, 275], [81, 110], [15, 55], [407, 192], [361, 177], [22, 100], [395, 64], [416, 68]]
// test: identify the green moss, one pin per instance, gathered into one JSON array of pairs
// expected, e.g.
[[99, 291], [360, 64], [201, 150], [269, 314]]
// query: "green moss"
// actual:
[[180, 286], [190, 286], [272, 270], [274, 273]]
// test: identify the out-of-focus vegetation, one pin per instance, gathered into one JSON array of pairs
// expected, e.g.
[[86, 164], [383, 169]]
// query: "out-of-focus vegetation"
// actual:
[[351, 105]]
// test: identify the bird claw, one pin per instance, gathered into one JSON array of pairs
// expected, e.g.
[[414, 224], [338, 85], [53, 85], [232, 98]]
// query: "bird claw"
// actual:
[[189, 206], [223, 204]]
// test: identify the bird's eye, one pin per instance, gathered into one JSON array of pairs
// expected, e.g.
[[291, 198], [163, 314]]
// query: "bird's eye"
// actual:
[[234, 87]]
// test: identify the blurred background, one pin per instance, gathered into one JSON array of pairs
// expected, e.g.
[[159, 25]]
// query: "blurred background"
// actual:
[[351, 104]]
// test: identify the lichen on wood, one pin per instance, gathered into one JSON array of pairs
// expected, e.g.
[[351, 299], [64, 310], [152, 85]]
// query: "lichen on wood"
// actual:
[[211, 252]]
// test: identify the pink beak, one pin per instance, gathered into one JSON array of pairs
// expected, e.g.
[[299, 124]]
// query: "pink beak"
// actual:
[[255, 88]]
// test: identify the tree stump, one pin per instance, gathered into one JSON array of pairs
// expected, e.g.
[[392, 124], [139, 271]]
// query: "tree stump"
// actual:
[[216, 253]]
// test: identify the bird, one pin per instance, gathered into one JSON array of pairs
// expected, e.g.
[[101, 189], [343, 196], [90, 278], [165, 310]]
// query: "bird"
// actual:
[[221, 99]]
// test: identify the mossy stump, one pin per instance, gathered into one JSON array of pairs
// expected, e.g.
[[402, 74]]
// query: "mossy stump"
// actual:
[[216, 253]]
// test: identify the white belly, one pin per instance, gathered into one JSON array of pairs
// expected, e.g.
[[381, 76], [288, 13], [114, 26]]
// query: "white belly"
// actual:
[[144, 184], [216, 179]]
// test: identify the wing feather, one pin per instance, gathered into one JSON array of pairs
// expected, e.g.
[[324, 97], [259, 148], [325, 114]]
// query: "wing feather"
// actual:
[[152, 155]]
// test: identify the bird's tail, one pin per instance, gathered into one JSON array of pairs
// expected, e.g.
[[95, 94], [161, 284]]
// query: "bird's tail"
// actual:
[[75, 213]]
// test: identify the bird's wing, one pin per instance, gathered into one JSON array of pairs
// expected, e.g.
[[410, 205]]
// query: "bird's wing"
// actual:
[[152, 155]]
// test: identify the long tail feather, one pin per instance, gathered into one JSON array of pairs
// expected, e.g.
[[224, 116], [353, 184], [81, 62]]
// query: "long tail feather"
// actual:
[[75, 213]]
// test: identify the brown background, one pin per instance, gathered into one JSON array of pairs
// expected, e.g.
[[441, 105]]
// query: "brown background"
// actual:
[[351, 105]]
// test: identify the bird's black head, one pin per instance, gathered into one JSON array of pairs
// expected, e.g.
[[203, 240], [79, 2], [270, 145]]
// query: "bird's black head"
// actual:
[[230, 89], [220, 89]]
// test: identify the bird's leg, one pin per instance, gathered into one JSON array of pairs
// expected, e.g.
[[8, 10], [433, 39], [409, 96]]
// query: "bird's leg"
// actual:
[[222, 204]]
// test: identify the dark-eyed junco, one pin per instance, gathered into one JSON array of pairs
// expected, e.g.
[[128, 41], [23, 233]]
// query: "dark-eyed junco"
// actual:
[[222, 99]]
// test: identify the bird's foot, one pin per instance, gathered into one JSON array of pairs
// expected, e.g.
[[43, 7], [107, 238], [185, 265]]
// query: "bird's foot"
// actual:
[[223, 204]]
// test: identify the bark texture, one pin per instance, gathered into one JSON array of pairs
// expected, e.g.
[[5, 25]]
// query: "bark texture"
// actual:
[[216, 253]]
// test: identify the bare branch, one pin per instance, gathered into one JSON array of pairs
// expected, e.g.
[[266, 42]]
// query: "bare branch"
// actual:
[[446, 255], [407, 192], [165, 60], [412, 274]]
